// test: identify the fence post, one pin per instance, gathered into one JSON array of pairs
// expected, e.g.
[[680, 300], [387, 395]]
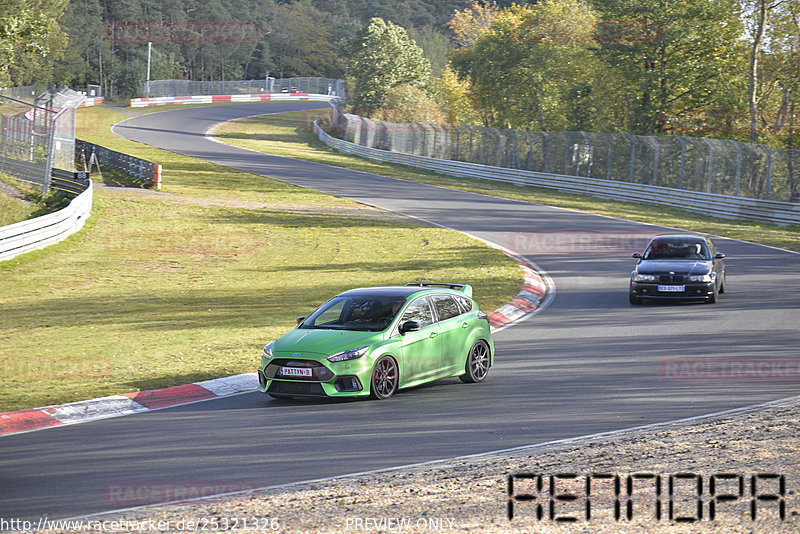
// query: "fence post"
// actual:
[[793, 196], [610, 154], [590, 159], [710, 163], [738, 165], [769, 170], [655, 160], [546, 151], [633, 155], [683, 160]]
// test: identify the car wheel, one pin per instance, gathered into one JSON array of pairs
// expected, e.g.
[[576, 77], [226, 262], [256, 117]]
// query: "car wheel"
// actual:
[[385, 378], [722, 285], [634, 300], [477, 365]]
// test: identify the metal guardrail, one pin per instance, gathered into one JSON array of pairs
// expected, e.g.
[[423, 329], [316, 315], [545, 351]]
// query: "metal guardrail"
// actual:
[[706, 203], [140, 169], [69, 183], [34, 234]]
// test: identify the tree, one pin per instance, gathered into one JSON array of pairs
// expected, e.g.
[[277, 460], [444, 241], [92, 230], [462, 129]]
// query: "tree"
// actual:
[[300, 45], [382, 56], [31, 40], [678, 59], [468, 24], [533, 67]]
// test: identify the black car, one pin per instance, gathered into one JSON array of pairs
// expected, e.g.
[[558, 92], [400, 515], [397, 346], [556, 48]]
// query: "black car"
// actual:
[[678, 266]]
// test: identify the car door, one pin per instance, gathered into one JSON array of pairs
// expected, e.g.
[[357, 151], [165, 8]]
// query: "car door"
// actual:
[[453, 326], [421, 350]]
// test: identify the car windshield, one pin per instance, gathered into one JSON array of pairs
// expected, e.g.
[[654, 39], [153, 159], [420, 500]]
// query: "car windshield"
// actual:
[[677, 248], [362, 312]]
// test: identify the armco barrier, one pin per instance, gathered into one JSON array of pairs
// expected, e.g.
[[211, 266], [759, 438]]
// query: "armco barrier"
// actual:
[[706, 203], [219, 99], [33, 234], [96, 101], [141, 169]]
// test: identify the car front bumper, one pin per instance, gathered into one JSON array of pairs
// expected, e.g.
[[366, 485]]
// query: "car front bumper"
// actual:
[[649, 290], [342, 379]]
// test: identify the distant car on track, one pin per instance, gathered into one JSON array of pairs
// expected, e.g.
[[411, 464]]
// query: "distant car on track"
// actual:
[[678, 266], [373, 341]]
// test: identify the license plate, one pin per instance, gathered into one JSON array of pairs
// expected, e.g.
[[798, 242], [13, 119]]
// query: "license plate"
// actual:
[[296, 371], [672, 289]]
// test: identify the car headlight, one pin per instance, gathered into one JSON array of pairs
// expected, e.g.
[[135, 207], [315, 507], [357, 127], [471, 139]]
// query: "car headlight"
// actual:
[[350, 354], [268, 350], [644, 277], [707, 278]]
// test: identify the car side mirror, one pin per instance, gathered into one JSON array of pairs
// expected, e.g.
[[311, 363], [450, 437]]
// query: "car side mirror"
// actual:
[[301, 319], [409, 326], [636, 255], [719, 256]]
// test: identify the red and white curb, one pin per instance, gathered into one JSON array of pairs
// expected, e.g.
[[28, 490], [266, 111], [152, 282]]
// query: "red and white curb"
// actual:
[[527, 301], [534, 290], [129, 403], [220, 99]]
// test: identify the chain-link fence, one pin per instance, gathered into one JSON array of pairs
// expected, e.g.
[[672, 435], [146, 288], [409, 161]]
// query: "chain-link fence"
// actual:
[[37, 134], [689, 163], [319, 86]]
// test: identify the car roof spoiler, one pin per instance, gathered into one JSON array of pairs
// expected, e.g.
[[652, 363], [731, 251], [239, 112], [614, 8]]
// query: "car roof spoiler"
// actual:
[[464, 288]]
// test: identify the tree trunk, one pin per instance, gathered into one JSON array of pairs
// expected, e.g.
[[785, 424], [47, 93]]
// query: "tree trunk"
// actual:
[[755, 53]]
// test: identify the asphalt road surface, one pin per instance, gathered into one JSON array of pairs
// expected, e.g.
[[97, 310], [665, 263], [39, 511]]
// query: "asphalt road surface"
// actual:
[[589, 363]]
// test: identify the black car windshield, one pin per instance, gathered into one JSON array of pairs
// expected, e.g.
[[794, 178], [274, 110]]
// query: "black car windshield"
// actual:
[[361, 312], [677, 248]]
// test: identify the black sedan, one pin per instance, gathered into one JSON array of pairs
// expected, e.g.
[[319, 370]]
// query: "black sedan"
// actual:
[[678, 266]]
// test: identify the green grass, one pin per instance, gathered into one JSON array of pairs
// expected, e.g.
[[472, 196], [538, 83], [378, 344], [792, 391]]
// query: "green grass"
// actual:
[[289, 135], [161, 289], [13, 210]]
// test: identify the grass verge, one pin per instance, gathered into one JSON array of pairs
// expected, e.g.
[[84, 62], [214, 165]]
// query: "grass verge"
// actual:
[[188, 284], [289, 134]]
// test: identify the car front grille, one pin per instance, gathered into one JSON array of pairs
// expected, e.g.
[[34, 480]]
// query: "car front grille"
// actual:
[[318, 371], [296, 388], [672, 279]]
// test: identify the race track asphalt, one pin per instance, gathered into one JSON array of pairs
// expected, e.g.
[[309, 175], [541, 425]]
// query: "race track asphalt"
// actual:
[[588, 363]]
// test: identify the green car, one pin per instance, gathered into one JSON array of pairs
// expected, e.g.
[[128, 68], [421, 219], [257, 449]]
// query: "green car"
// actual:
[[372, 341]]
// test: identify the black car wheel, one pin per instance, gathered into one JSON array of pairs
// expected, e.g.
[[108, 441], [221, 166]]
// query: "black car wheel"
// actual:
[[385, 378], [477, 366], [634, 300]]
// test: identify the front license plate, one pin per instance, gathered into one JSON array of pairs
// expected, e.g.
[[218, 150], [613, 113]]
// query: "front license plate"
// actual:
[[296, 371], [672, 289]]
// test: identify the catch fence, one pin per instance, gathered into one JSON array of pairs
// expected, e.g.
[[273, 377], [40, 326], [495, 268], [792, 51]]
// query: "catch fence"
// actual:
[[319, 86], [37, 134], [713, 166]]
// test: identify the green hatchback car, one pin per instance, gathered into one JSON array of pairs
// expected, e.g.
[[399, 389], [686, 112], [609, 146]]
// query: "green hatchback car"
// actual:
[[372, 341]]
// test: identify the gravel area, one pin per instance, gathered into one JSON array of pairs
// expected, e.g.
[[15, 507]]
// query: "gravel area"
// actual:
[[472, 494]]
